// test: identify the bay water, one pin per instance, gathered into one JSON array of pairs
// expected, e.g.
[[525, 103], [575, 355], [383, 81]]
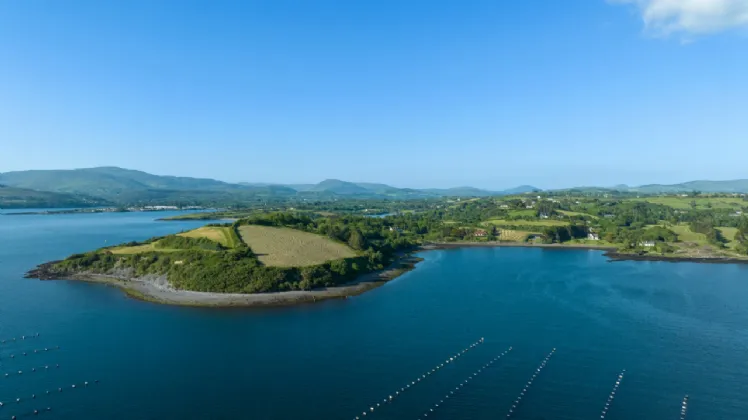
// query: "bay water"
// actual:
[[676, 328]]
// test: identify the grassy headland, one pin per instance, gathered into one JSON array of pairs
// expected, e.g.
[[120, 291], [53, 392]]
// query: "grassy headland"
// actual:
[[276, 252]]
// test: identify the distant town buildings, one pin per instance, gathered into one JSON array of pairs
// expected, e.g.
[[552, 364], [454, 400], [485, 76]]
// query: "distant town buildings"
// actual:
[[161, 208]]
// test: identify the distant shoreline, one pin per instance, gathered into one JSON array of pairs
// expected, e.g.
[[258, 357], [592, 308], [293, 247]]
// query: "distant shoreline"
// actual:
[[95, 210], [611, 252], [453, 245]]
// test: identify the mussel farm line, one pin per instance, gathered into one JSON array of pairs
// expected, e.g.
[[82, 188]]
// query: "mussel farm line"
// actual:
[[463, 383], [392, 396]]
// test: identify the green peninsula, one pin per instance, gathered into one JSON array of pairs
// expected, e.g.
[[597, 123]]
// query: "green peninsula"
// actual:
[[276, 252]]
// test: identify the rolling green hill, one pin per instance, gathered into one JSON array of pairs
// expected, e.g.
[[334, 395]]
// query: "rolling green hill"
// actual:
[[12, 197], [337, 186], [734, 186], [129, 186]]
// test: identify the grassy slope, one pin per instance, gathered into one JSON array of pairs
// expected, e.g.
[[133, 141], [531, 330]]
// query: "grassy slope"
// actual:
[[282, 247], [222, 235], [575, 213], [513, 235], [539, 223], [523, 213], [701, 202], [729, 234], [685, 234]]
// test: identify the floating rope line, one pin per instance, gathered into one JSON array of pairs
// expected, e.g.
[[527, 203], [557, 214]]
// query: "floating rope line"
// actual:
[[465, 382], [409, 385], [33, 413], [684, 408], [529, 383], [32, 352], [612, 395], [32, 370], [35, 397], [21, 338]]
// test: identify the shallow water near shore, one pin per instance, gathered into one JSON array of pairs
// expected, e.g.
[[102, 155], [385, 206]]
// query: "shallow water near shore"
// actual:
[[677, 329]]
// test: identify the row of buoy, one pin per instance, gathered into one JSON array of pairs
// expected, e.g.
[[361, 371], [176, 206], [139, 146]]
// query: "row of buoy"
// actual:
[[684, 408], [528, 384], [612, 394], [397, 393], [35, 397], [463, 383], [22, 338], [35, 351], [35, 413], [33, 370]]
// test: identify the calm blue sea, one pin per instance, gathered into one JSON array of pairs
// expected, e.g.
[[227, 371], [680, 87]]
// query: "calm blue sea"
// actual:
[[677, 329]]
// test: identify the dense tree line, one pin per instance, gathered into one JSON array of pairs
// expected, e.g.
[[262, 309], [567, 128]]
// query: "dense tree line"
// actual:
[[561, 234]]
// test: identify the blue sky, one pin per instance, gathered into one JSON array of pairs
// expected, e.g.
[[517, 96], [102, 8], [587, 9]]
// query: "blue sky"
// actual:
[[411, 93]]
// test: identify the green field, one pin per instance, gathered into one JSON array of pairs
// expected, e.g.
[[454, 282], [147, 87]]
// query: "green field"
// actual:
[[539, 223], [222, 235], [523, 213], [283, 247], [138, 249], [729, 234], [513, 235], [686, 235], [575, 213], [701, 202]]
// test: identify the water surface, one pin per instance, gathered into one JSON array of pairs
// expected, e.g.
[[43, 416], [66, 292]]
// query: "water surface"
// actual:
[[677, 328]]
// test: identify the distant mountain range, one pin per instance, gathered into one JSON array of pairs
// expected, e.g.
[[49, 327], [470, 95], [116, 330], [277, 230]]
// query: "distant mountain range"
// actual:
[[112, 185], [126, 186], [368, 189]]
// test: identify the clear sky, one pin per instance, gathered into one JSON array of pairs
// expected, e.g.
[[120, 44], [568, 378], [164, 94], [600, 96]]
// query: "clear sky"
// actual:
[[414, 93]]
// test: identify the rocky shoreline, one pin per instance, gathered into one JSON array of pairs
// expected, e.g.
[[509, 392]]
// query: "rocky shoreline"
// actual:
[[156, 288], [617, 256]]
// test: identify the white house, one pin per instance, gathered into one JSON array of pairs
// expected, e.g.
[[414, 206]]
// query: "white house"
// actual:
[[647, 244], [593, 236]]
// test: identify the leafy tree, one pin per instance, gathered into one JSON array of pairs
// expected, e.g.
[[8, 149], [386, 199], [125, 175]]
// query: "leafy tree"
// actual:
[[356, 240]]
